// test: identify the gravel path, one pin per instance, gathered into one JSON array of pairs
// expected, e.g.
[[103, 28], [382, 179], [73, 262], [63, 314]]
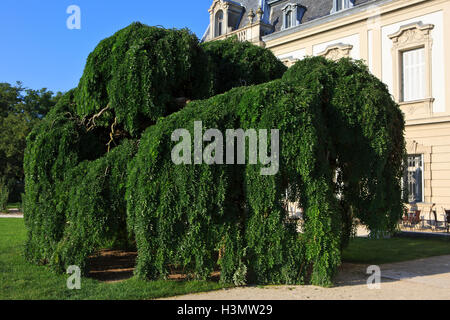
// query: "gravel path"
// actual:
[[425, 279], [12, 213]]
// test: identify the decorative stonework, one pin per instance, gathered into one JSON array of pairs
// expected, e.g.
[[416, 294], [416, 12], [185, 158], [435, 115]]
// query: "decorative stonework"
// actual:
[[289, 61], [413, 36], [417, 109], [259, 13], [337, 51], [251, 16], [227, 8], [233, 12]]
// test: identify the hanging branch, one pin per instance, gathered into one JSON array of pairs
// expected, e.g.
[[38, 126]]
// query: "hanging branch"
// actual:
[[111, 134], [91, 123]]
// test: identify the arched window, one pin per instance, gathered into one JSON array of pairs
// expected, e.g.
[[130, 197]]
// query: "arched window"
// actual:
[[288, 19], [219, 23]]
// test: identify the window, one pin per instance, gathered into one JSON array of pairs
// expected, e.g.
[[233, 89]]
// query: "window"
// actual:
[[339, 5], [413, 74], [288, 19], [219, 23], [414, 178], [412, 69], [292, 15]]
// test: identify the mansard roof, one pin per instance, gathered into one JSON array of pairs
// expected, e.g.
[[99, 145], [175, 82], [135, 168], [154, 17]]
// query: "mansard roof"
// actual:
[[314, 9]]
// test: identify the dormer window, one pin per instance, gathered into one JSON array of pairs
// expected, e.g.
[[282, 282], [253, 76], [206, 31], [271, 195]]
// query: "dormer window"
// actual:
[[339, 5], [292, 15], [288, 19], [219, 23]]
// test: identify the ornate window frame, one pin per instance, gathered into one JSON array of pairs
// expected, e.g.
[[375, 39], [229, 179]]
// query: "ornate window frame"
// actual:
[[409, 37], [336, 51], [229, 8], [219, 23], [295, 10], [218, 5]]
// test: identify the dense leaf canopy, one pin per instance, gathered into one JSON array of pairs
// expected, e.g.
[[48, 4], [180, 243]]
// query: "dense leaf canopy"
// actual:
[[234, 63], [137, 74]]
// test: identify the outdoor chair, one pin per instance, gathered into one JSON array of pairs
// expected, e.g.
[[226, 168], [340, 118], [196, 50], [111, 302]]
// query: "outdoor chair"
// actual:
[[405, 218], [415, 219], [447, 219], [434, 213]]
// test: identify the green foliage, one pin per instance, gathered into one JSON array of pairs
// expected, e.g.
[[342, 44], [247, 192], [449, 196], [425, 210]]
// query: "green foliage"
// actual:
[[186, 216], [74, 200], [20, 110], [9, 97], [367, 147], [54, 147], [138, 74], [96, 208], [4, 194], [234, 63]]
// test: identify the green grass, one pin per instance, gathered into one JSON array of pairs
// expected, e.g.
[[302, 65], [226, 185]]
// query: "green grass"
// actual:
[[21, 280], [379, 251], [13, 205]]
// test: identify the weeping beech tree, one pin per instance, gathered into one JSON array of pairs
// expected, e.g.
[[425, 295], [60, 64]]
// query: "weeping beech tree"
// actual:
[[99, 169]]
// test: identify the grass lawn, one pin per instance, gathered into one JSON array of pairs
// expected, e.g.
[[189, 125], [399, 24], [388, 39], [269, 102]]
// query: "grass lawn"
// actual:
[[363, 250], [13, 205], [20, 280]]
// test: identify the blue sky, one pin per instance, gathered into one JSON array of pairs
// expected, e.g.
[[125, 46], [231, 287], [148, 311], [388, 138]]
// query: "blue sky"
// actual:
[[38, 49]]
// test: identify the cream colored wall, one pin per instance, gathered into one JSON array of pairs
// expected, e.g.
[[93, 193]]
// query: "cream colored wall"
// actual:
[[367, 32], [435, 138], [353, 40]]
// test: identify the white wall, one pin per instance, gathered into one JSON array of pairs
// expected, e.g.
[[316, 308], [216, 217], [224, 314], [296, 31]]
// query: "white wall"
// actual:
[[370, 50], [298, 54]]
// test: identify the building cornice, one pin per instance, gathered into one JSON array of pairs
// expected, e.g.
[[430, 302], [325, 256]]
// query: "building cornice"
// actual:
[[339, 19]]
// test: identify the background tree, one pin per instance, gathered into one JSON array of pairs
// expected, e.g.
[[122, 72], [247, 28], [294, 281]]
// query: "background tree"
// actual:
[[20, 110]]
